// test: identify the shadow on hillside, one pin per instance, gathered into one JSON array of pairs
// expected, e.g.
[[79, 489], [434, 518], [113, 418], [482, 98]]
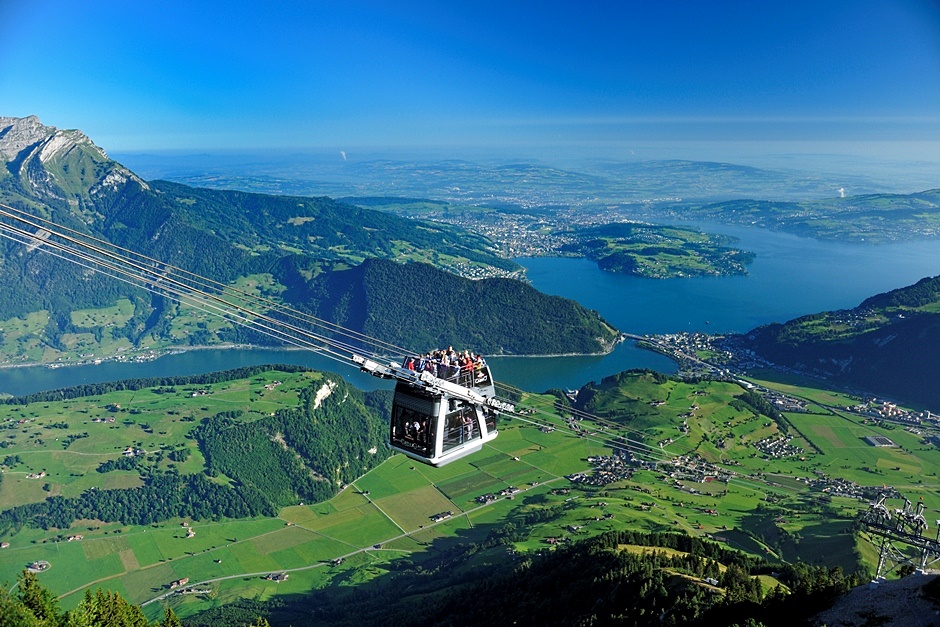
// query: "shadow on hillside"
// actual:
[[807, 538], [371, 591]]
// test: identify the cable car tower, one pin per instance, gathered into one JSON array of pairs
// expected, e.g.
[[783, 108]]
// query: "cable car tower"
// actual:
[[435, 419], [899, 534]]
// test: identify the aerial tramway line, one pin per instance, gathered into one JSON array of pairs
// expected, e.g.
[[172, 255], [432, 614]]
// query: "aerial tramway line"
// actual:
[[435, 420]]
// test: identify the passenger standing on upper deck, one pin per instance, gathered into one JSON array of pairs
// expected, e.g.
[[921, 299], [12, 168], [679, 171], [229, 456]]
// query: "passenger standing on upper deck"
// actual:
[[466, 369]]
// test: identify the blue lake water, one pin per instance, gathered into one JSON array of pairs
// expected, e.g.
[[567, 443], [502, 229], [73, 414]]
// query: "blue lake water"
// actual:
[[26, 380], [790, 277]]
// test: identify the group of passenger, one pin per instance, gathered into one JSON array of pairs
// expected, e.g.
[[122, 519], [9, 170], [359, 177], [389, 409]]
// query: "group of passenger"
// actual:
[[465, 427], [415, 431], [411, 427], [448, 364]]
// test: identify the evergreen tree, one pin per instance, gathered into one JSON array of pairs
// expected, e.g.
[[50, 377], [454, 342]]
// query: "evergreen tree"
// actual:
[[13, 612], [170, 619], [38, 600]]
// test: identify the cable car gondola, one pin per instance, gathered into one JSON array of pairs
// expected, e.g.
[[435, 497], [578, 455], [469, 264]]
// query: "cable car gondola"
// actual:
[[438, 420]]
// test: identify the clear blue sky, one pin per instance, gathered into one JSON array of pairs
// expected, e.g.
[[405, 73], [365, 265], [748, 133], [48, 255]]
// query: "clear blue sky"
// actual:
[[239, 74]]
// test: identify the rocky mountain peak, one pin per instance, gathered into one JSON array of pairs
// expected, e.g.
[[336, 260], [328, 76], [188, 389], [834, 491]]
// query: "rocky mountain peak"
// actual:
[[55, 163], [16, 134]]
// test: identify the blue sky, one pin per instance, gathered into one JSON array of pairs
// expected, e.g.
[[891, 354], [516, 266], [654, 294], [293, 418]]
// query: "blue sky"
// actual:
[[199, 75]]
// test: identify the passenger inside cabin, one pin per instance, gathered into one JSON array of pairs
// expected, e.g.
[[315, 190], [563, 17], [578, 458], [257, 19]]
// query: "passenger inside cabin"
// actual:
[[410, 429]]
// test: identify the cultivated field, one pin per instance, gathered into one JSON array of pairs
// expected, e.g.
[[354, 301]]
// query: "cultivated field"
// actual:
[[765, 506]]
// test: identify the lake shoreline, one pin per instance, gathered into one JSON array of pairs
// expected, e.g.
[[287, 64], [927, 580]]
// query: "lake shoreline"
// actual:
[[790, 277], [179, 350]]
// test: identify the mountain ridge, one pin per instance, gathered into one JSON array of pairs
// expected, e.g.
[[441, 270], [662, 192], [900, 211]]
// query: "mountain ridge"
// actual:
[[887, 344], [224, 235]]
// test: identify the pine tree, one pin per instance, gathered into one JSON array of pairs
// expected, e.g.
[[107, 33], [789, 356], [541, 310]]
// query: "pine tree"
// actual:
[[13, 612], [38, 599], [170, 619]]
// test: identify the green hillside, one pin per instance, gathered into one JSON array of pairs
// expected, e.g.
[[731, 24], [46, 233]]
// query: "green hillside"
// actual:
[[887, 345], [624, 578], [214, 461], [233, 444], [418, 306], [721, 486], [274, 246], [868, 218], [655, 251]]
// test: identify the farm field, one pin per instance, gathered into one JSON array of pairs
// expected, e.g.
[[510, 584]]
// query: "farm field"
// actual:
[[91, 338], [697, 469]]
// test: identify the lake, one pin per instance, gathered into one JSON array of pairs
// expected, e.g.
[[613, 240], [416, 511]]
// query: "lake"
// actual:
[[790, 277]]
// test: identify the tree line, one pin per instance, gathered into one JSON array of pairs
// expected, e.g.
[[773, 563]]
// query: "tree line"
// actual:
[[33, 605], [302, 454]]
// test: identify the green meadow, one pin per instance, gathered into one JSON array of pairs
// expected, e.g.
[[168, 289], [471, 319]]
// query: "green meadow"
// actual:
[[384, 518]]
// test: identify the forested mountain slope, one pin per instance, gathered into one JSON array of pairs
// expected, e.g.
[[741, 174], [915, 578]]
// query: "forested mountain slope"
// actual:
[[420, 307], [887, 345], [321, 227], [58, 312]]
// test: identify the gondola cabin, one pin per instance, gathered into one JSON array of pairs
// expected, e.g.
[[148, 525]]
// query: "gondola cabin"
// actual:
[[436, 421]]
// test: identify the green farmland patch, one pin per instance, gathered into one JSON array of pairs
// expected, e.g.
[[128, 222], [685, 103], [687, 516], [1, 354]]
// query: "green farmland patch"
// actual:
[[116, 316], [767, 508]]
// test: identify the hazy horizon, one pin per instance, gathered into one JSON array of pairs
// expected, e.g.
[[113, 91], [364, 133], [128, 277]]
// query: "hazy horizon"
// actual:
[[718, 81]]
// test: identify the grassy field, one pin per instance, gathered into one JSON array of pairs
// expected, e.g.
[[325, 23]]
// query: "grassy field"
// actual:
[[92, 339], [21, 338], [766, 508], [116, 316]]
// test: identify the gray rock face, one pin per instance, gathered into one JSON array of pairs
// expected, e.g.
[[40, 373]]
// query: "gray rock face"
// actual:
[[19, 135], [899, 602], [16, 134], [54, 164]]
